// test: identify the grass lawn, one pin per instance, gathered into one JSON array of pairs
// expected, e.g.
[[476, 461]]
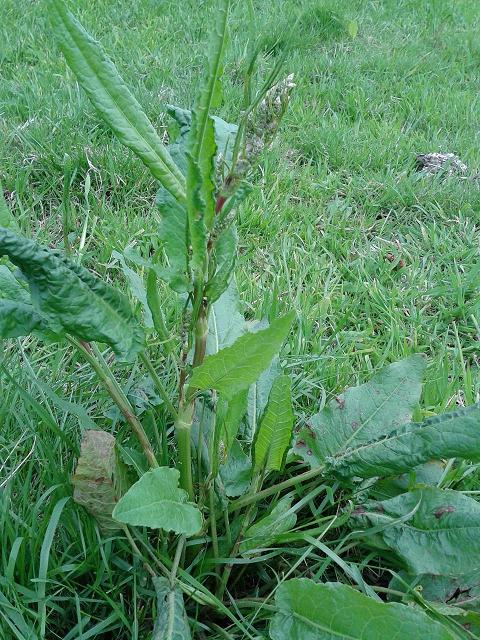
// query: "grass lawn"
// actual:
[[378, 260]]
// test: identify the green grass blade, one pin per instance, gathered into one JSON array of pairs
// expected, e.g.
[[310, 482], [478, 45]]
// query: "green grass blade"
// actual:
[[44, 560], [99, 78]]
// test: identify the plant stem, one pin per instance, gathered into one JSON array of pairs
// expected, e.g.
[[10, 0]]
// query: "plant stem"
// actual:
[[159, 385], [183, 427], [183, 423], [116, 393], [176, 560], [286, 484], [137, 551], [256, 484], [213, 524]]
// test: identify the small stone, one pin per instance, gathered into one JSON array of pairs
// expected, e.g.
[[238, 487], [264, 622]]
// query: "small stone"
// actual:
[[446, 163]]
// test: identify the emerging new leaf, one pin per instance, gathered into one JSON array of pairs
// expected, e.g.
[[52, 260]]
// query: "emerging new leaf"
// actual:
[[156, 501]]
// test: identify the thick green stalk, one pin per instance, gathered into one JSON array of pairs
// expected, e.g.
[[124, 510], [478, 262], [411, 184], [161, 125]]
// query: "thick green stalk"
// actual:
[[183, 428], [183, 423], [114, 390]]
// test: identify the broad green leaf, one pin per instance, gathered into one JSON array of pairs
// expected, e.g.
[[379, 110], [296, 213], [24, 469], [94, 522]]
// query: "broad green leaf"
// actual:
[[155, 306], [19, 319], [136, 287], [264, 532], [206, 165], [225, 255], [276, 426], [172, 231], [226, 322], [99, 78], [11, 288], [17, 314], [156, 501], [450, 435], [235, 368], [364, 413], [334, 611], [73, 299], [442, 536], [100, 479], [236, 473], [6, 217], [203, 149], [172, 621]]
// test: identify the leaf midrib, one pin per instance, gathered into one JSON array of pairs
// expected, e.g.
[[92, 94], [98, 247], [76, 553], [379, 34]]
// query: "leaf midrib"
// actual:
[[119, 107]]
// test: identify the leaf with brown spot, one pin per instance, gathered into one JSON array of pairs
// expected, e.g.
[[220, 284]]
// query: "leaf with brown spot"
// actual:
[[100, 478], [432, 531]]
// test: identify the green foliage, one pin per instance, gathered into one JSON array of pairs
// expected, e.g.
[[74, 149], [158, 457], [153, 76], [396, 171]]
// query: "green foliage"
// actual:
[[6, 218], [364, 414], [236, 472], [208, 394], [112, 99], [345, 614], [19, 319], [275, 430], [432, 531], [172, 231], [171, 622], [235, 368], [265, 531], [229, 414], [100, 478], [72, 299], [155, 501], [225, 257], [449, 435]]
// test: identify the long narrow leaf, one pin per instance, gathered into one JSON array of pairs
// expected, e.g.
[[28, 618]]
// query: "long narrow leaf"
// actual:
[[99, 78], [276, 426], [451, 435], [202, 112]]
